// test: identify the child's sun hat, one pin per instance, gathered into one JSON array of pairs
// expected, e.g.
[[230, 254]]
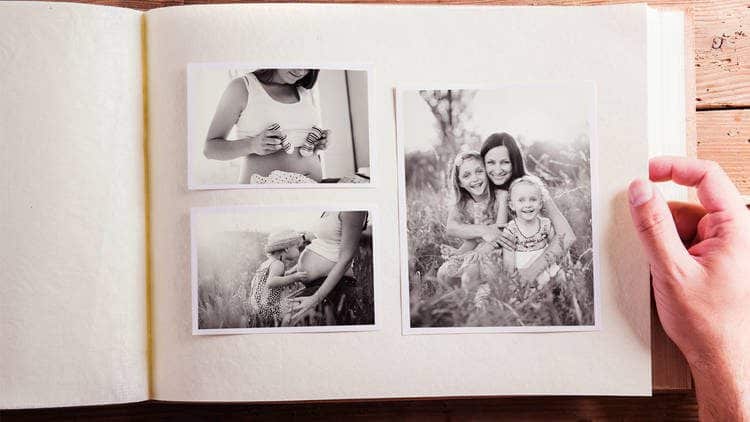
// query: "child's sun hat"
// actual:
[[278, 241]]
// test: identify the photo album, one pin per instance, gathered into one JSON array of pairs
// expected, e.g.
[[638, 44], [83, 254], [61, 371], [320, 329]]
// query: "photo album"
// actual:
[[265, 203]]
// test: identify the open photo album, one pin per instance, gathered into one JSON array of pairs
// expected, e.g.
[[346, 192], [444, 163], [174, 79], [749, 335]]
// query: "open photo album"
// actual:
[[263, 203]]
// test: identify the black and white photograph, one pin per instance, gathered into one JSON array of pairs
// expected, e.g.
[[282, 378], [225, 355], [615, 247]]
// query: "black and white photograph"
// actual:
[[496, 208], [262, 269], [259, 126]]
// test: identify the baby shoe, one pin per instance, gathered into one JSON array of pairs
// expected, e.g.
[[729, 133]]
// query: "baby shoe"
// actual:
[[286, 145], [308, 147]]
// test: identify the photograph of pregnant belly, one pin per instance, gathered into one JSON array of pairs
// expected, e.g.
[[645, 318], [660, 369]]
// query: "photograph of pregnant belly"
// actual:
[[282, 269], [254, 126]]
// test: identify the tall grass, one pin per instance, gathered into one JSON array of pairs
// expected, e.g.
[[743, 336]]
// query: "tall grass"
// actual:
[[565, 169], [226, 265]]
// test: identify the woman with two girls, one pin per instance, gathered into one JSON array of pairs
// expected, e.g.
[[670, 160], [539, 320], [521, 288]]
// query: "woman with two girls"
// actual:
[[510, 227]]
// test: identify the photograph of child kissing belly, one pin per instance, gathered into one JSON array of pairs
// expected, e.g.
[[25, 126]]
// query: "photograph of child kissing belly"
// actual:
[[266, 269], [251, 126]]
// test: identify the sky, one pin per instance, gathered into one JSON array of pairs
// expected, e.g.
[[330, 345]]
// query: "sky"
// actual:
[[260, 219], [541, 112]]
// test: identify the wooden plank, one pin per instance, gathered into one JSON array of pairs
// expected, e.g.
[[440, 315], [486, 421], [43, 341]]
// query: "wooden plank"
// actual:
[[722, 53], [670, 371], [133, 4], [674, 406], [724, 136]]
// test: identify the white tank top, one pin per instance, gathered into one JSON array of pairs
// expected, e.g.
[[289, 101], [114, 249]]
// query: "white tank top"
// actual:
[[295, 119], [328, 237]]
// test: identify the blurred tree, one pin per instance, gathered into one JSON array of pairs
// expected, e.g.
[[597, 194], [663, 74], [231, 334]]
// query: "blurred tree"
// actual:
[[452, 112]]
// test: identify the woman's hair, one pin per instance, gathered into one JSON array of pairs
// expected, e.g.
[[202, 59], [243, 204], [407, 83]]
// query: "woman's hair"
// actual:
[[460, 195], [265, 75], [514, 153]]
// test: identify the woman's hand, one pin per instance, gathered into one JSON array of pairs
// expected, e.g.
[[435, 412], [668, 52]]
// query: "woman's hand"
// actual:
[[491, 233], [547, 200], [267, 142], [699, 263], [301, 306], [485, 248], [322, 143]]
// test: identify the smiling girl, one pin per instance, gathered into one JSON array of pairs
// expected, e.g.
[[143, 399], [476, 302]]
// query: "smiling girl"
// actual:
[[277, 116], [479, 206], [529, 231]]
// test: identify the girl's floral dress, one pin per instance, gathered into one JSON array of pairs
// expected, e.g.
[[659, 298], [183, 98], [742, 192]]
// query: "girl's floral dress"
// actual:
[[266, 303], [489, 262]]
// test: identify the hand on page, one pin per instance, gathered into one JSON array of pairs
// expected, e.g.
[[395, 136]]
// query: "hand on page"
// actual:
[[700, 265]]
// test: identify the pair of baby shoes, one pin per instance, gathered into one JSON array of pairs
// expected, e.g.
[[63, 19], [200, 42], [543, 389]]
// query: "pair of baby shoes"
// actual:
[[313, 140]]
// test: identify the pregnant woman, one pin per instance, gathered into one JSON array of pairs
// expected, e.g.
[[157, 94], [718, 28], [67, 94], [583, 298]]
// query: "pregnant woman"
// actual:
[[277, 116], [327, 260]]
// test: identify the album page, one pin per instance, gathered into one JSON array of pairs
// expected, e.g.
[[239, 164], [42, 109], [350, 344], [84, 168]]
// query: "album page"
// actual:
[[73, 313], [235, 190]]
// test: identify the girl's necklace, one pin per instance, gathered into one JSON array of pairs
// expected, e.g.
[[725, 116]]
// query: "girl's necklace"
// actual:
[[538, 229]]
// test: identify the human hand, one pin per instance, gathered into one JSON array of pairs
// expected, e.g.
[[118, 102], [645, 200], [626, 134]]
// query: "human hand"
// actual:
[[506, 241], [546, 196], [301, 306], [491, 233], [301, 276], [699, 263], [486, 247], [322, 143], [267, 142]]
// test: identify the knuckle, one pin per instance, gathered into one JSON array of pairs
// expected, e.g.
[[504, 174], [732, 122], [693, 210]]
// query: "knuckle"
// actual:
[[651, 222]]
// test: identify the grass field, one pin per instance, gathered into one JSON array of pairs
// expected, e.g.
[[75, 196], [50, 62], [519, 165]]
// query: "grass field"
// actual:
[[566, 172], [226, 265]]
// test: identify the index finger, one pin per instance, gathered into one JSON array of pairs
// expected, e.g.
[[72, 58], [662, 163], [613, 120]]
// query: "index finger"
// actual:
[[275, 134], [716, 192], [272, 141]]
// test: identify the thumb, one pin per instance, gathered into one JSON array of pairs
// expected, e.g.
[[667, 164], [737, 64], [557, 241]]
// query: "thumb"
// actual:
[[656, 228]]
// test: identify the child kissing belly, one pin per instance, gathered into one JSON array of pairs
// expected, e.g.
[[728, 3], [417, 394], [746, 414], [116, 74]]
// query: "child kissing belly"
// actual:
[[314, 265]]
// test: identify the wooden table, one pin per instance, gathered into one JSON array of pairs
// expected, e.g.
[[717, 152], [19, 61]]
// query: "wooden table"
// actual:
[[722, 103]]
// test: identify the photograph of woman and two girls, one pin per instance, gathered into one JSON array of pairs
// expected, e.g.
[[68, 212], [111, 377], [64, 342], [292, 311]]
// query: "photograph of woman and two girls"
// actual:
[[495, 201]]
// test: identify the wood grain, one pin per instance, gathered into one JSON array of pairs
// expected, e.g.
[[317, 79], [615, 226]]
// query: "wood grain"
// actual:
[[724, 136], [673, 406]]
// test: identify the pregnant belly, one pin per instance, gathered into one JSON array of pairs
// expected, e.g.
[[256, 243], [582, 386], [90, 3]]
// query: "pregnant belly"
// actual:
[[293, 163], [314, 265]]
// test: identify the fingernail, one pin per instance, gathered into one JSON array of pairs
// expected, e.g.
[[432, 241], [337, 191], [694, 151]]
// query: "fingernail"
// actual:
[[640, 192]]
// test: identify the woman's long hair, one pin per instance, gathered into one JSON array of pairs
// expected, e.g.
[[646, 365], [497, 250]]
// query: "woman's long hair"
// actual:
[[461, 196], [265, 76], [514, 153]]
